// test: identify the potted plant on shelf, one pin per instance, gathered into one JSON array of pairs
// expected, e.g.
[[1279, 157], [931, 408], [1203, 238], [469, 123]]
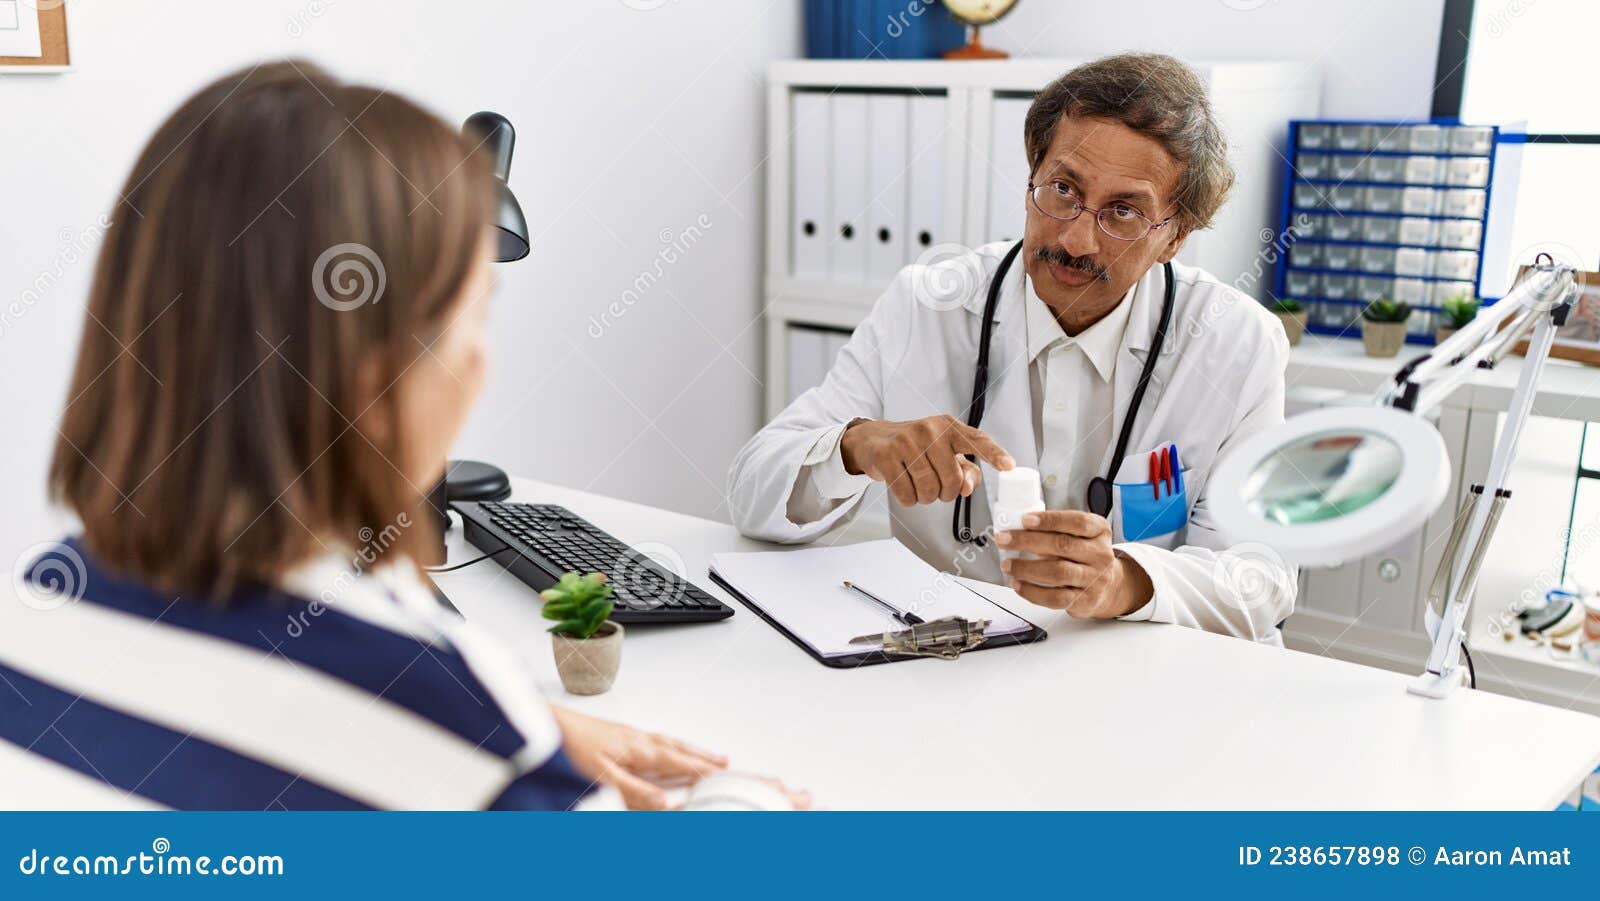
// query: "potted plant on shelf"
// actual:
[[588, 646], [1383, 327], [1455, 312], [1292, 315]]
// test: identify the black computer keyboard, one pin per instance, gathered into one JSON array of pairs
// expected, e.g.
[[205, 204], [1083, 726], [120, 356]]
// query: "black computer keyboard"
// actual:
[[540, 542]]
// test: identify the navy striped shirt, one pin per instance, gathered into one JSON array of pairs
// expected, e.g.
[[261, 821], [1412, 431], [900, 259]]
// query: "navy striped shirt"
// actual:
[[353, 696]]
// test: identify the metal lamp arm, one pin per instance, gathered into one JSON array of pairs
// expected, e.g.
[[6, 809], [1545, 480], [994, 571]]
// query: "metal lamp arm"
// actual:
[[1539, 302], [1426, 381]]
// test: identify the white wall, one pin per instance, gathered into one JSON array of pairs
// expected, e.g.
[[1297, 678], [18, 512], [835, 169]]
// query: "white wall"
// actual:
[[635, 119], [1377, 56]]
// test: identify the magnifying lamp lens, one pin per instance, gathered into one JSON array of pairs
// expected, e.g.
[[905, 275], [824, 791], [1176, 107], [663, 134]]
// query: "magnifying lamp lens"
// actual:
[[1323, 476]]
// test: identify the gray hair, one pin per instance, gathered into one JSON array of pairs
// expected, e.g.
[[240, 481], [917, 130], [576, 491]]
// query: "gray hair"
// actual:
[[1156, 96]]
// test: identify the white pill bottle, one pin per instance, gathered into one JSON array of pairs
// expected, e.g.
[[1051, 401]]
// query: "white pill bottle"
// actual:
[[1017, 493]]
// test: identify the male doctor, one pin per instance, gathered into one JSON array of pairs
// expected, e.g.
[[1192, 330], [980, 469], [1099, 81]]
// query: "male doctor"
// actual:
[[1126, 160]]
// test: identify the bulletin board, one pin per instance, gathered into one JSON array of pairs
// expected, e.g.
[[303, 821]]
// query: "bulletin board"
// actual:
[[55, 56]]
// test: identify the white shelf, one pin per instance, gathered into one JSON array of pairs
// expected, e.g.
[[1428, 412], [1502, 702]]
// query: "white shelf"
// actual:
[[1012, 74], [1254, 101], [802, 312], [1567, 390], [854, 297], [1522, 669], [1527, 650]]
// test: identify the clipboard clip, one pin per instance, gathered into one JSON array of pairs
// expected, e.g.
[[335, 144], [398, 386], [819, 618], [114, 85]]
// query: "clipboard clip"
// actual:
[[944, 638]]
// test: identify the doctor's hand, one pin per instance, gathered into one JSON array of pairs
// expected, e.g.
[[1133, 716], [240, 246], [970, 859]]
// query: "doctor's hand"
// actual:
[[1075, 568], [922, 461]]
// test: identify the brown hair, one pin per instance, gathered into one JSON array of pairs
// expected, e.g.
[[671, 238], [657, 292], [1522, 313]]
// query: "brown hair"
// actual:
[[1157, 96], [279, 229]]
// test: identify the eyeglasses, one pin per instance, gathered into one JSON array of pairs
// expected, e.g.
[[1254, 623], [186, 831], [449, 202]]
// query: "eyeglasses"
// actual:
[[1118, 220]]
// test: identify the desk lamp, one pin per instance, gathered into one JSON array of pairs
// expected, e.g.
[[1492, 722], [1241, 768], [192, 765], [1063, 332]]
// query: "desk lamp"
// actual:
[[497, 138], [1340, 483], [467, 479]]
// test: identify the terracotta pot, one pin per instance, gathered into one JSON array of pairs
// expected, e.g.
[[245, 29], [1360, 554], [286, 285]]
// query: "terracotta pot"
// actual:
[[1294, 326], [1383, 339], [588, 666], [1442, 333]]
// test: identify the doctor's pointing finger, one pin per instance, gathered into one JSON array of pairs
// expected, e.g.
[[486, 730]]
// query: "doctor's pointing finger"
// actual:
[[922, 461]]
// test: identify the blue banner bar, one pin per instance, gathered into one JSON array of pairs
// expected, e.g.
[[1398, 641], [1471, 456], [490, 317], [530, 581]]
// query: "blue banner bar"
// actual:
[[816, 855]]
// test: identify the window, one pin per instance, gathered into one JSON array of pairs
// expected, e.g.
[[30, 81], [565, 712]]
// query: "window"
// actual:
[[1580, 561], [1530, 62]]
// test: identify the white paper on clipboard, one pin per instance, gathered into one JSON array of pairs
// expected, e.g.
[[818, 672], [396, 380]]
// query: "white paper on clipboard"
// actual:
[[804, 591]]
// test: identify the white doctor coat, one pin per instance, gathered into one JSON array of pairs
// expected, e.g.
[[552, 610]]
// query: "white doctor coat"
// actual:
[[1219, 378]]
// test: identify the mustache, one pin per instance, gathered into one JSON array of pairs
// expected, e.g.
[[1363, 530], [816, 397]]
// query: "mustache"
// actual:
[[1061, 258]]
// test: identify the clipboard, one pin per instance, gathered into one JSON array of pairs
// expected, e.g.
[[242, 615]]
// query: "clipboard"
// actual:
[[821, 570], [870, 658]]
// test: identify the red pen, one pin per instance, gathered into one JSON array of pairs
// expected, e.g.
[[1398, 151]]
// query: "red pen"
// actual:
[[1166, 471], [1155, 476]]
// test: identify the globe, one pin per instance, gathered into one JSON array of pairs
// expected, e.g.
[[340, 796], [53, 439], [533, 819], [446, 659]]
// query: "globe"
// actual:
[[975, 14]]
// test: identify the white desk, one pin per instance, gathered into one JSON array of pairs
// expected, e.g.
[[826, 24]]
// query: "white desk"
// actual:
[[1102, 715]]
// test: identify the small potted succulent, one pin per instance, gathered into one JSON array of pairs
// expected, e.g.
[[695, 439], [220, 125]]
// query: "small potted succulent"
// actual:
[[588, 646], [1383, 327], [1455, 313], [1292, 315]]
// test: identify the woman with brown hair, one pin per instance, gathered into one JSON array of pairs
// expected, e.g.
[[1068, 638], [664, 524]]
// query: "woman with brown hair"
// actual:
[[284, 336]]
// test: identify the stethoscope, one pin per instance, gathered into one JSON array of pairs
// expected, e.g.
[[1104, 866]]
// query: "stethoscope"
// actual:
[[1099, 486]]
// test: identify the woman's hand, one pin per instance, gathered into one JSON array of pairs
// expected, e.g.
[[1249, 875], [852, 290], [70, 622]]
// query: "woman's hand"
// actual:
[[628, 759]]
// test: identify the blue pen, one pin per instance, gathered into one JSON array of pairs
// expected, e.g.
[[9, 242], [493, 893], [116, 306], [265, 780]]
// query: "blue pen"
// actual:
[[1177, 468]]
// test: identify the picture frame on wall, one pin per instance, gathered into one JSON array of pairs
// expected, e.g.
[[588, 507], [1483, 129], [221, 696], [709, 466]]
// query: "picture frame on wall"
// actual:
[[33, 37]]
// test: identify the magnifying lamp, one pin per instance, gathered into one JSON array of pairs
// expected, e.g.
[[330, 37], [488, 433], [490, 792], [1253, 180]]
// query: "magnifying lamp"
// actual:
[[1332, 485], [1343, 482]]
